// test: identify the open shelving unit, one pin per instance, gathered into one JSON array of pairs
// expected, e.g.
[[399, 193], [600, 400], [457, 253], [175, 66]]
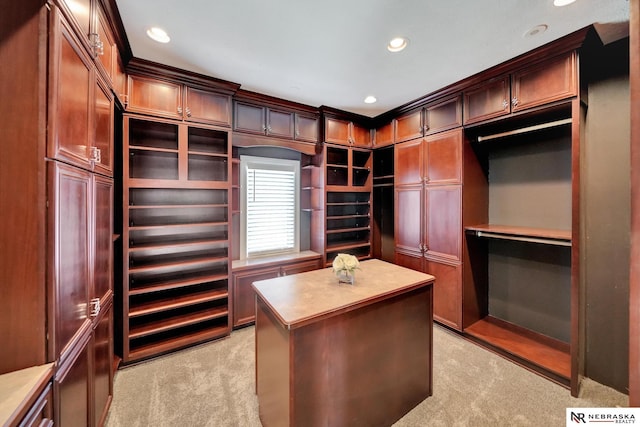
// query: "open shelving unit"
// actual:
[[176, 236], [520, 252], [348, 202]]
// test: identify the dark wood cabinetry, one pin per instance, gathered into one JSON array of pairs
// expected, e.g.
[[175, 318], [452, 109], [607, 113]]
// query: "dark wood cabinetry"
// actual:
[[428, 216], [171, 99], [552, 80], [262, 120], [244, 302], [435, 117], [345, 132], [176, 215], [384, 135]]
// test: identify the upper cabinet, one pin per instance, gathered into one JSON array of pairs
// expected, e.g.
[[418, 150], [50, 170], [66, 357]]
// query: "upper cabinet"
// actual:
[[345, 132], [306, 128], [383, 135], [261, 120], [165, 98], [539, 84], [435, 117]]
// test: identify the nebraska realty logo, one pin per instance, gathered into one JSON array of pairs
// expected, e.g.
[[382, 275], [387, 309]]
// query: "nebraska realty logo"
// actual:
[[602, 416]]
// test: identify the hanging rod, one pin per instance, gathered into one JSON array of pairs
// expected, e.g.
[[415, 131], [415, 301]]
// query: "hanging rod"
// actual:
[[523, 239], [525, 129]]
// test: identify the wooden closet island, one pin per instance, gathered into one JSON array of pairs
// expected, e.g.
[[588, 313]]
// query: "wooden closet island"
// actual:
[[343, 355]]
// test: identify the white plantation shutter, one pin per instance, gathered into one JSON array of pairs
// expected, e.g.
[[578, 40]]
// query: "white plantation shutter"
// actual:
[[270, 205]]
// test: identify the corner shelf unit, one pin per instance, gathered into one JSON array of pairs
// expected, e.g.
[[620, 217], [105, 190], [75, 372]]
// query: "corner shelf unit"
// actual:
[[176, 236], [348, 202]]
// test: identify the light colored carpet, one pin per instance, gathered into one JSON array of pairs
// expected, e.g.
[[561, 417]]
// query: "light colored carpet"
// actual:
[[213, 385]]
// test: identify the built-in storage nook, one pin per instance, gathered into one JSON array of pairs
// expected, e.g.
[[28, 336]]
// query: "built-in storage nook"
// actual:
[[520, 259], [176, 206]]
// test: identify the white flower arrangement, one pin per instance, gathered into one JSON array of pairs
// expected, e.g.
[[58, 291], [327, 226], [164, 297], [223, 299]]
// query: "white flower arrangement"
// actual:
[[345, 264]]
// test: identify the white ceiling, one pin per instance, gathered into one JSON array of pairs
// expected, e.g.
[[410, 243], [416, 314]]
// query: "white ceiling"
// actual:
[[333, 52]]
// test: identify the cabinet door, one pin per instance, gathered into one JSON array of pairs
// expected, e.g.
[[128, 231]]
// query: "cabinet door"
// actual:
[[244, 304], [70, 199], [80, 11], [443, 115], [207, 107], [306, 128], [105, 49], [409, 260], [71, 390], [447, 292], [102, 149], [249, 118], [103, 238], [279, 123], [443, 222], [71, 84], [408, 167], [384, 135], [408, 220], [444, 157], [336, 131], [155, 97], [102, 365], [547, 82], [486, 101], [360, 136], [301, 267], [409, 126]]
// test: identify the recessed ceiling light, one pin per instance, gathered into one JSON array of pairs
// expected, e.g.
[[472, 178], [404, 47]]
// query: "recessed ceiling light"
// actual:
[[538, 29], [562, 2], [370, 99], [158, 34], [397, 44]]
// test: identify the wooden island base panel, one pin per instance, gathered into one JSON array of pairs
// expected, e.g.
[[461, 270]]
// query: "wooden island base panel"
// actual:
[[330, 354]]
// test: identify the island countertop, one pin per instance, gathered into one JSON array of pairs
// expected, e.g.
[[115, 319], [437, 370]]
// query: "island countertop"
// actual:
[[307, 297]]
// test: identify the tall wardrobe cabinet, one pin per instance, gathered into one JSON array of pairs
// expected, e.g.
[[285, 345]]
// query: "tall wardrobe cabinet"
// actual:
[[57, 181]]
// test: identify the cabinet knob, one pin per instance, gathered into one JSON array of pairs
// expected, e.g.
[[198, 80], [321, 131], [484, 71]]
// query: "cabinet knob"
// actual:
[[514, 101], [96, 44], [188, 112], [95, 155], [269, 129], [264, 129], [180, 110], [426, 128], [505, 104]]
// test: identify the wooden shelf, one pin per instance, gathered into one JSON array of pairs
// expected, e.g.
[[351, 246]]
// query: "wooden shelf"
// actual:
[[347, 245], [525, 234], [176, 284], [543, 354], [176, 264], [347, 230], [177, 322], [184, 340], [159, 305]]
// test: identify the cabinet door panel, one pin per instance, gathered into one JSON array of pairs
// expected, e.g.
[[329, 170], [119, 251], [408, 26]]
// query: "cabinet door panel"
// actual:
[[409, 126], [71, 84], [444, 115], [106, 55], [71, 199], [443, 225], [306, 128], [447, 293], [249, 118], [444, 157], [412, 261], [408, 162], [244, 305], [408, 220], [487, 101], [103, 238], [336, 131], [72, 392], [207, 107], [280, 123], [301, 267], [155, 97], [384, 135], [360, 136], [102, 365], [103, 130], [550, 81]]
